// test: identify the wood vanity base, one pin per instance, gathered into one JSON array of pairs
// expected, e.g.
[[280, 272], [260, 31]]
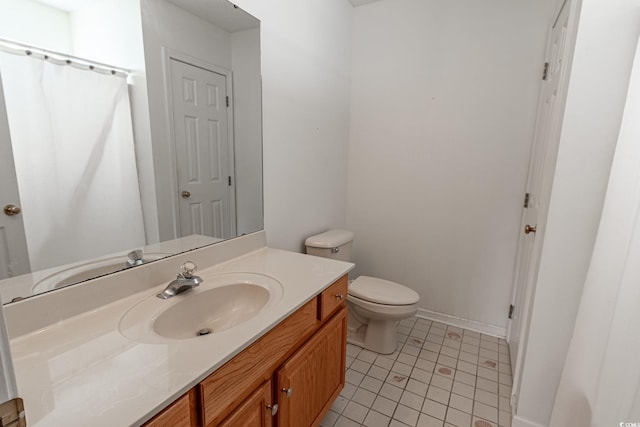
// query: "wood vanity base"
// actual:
[[181, 413], [299, 366]]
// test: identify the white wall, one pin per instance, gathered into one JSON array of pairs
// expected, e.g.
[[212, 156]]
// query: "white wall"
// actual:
[[109, 31], [597, 90], [305, 81], [442, 114], [247, 114], [47, 27]]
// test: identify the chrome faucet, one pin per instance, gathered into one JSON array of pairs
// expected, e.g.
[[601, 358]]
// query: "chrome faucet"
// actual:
[[184, 281]]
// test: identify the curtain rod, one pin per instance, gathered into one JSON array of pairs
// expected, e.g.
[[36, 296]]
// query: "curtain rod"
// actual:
[[12, 46]]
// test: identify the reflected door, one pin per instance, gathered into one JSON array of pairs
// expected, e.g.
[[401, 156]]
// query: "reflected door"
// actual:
[[201, 119], [14, 258], [539, 183]]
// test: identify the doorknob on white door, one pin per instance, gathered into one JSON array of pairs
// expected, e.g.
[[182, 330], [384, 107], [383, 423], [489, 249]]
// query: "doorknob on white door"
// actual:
[[185, 194], [12, 210], [529, 229]]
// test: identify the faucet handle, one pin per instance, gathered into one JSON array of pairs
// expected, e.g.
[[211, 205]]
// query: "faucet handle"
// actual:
[[134, 258], [188, 268], [135, 254]]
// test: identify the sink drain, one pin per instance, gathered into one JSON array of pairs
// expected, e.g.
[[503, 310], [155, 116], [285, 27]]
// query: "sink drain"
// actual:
[[205, 331]]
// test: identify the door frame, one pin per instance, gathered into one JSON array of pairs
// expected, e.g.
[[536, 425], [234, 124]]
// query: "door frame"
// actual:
[[167, 55], [549, 162]]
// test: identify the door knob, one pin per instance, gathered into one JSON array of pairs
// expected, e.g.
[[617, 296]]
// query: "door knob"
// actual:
[[274, 409], [529, 229], [288, 391], [12, 210], [185, 194]]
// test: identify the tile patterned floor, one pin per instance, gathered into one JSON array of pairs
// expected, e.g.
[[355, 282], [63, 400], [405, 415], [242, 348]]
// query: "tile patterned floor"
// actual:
[[439, 376]]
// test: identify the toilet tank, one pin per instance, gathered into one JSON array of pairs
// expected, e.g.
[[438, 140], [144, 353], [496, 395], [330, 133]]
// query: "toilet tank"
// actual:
[[334, 244]]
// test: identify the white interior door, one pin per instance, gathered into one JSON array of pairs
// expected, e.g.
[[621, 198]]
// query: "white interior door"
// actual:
[[540, 179], [14, 257], [203, 151]]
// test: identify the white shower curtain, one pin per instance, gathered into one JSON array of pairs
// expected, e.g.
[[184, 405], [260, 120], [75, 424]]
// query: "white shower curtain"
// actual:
[[73, 147], [600, 383]]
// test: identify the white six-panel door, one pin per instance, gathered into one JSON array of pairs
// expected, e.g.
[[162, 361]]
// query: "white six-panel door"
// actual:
[[14, 258], [539, 182], [203, 152]]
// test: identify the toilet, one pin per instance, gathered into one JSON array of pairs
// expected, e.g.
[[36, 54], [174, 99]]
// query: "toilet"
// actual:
[[375, 305]]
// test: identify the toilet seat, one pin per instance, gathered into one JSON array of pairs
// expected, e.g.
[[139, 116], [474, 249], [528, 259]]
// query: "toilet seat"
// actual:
[[382, 292], [375, 305]]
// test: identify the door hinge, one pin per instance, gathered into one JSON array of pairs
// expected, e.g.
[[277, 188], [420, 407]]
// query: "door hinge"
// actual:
[[511, 311], [229, 181], [526, 200], [545, 71], [227, 101]]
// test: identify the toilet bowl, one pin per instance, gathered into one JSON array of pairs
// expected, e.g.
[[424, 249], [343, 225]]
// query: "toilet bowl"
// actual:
[[375, 305]]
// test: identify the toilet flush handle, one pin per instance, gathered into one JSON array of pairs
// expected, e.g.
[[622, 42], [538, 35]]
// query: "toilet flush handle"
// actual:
[[335, 250]]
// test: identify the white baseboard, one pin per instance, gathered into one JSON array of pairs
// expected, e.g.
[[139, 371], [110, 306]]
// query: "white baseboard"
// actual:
[[523, 422], [471, 325]]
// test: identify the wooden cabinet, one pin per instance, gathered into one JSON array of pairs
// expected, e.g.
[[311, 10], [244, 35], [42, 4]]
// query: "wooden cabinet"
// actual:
[[181, 413], [256, 411], [332, 298], [305, 353], [231, 384], [309, 381]]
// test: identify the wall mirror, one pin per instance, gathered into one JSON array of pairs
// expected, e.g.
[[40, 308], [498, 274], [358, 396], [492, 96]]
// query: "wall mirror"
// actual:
[[129, 131]]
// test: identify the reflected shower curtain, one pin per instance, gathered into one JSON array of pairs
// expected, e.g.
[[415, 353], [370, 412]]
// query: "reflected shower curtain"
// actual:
[[72, 141]]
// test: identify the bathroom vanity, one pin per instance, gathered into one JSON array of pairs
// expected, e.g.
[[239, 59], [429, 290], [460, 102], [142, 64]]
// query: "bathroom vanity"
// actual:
[[293, 373], [87, 357]]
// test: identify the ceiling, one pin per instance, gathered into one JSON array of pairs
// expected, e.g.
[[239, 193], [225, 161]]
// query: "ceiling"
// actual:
[[361, 2], [221, 13], [71, 5], [66, 5]]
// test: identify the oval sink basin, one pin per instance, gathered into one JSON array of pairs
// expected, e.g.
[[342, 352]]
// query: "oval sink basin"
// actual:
[[211, 311], [219, 304]]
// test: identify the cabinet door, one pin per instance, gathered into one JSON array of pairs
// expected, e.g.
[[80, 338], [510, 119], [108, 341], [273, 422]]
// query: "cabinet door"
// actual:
[[310, 380], [181, 413], [254, 412], [231, 384]]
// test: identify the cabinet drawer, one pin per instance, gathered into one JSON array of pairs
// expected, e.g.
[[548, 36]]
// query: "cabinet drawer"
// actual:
[[231, 384], [332, 298], [181, 413]]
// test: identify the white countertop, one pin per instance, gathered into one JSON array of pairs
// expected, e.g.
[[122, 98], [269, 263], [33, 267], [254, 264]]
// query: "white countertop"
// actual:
[[82, 371]]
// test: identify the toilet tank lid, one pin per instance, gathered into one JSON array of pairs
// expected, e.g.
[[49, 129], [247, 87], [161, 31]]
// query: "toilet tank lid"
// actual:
[[329, 239], [382, 291]]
